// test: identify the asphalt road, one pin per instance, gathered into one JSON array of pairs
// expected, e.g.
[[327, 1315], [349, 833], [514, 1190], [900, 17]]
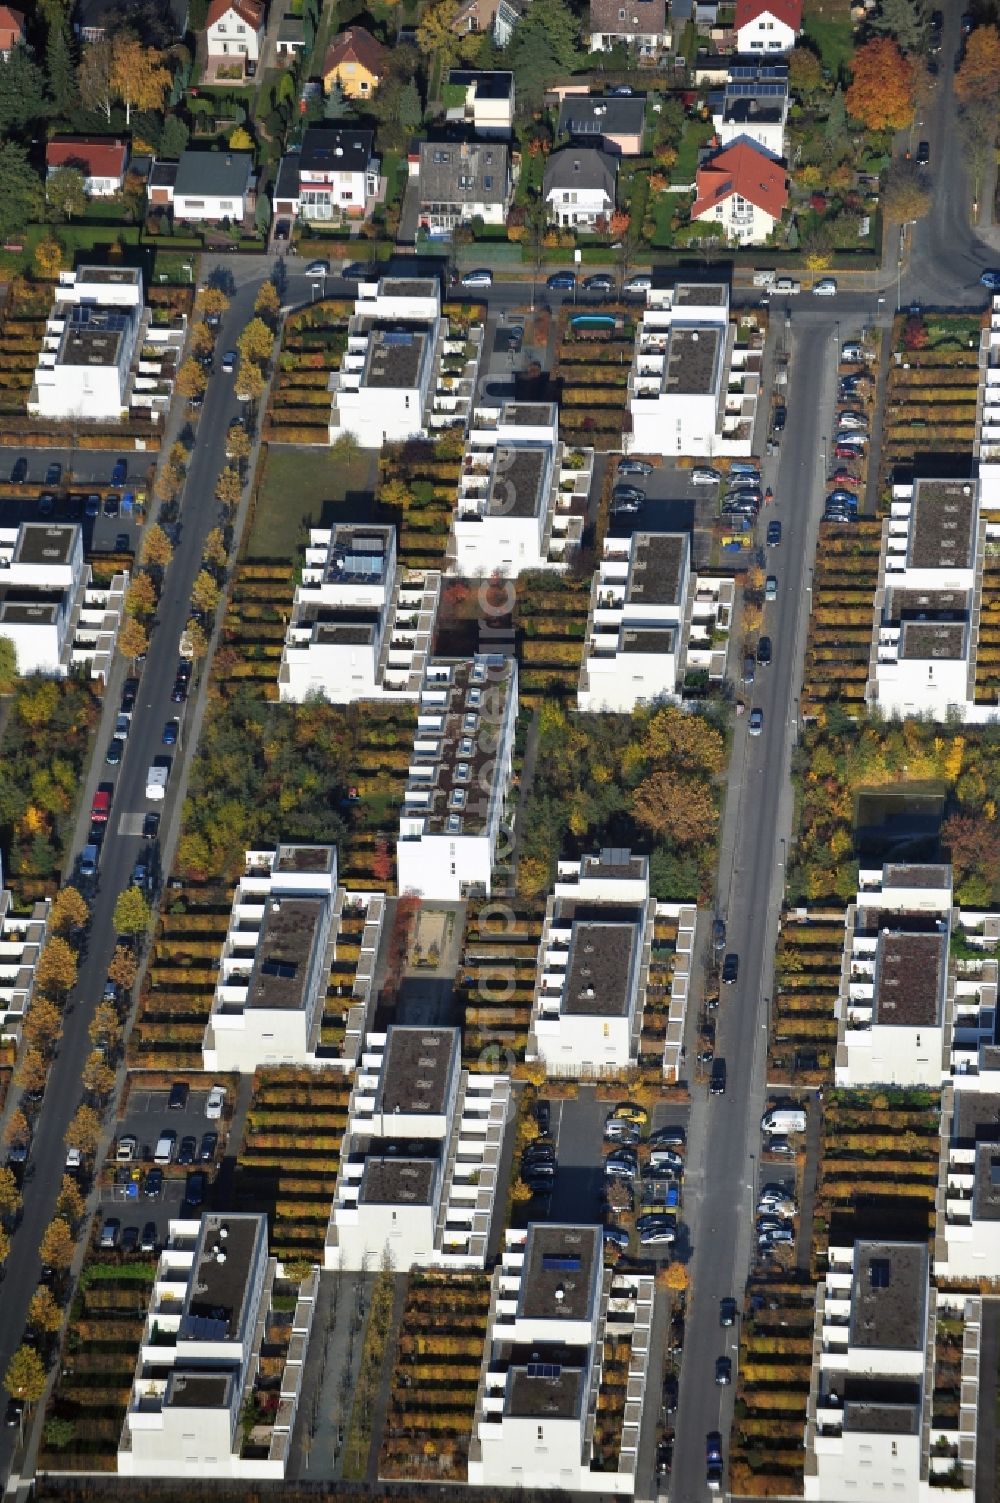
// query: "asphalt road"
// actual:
[[123, 842]]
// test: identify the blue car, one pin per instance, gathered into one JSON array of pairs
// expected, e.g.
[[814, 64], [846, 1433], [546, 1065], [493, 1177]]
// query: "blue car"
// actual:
[[843, 498], [561, 281], [991, 279], [170, 732], [119, 472]]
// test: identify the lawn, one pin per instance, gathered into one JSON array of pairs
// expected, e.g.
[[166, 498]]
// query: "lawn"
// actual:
[[827, 24], [296, 492], [664, 205], [696, 135]]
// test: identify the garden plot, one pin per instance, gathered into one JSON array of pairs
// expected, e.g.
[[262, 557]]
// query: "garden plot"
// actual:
[[313, 343], [803, 1036], [22, 326], [930, 404], [772, 1392], [591, 375], [496, 986], [838, 646], [988, 638]]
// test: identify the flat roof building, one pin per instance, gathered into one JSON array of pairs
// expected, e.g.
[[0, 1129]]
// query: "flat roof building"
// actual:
[[50, 610], [967, 1225], [200, 1355], [651, 621], [22, 935], [283, 934], [522, 496], [93, 334], [420, 1159], [459, 777]]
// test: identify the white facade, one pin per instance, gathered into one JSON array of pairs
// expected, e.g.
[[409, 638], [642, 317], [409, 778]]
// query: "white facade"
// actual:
[[522, 496], [534, 1419], [91, 337], [21, 939], [49, 608], [651, 620], [967, 1241], [420, 1159], [987, 445], [403, 375], [361, 627], [233, 34], [690, 390], [450, 824], [754, 105], [592, 971], [489, 102], [866, 1437], [928, 601], [200, 1354], [743, 222], [767, 34], [276, 962]]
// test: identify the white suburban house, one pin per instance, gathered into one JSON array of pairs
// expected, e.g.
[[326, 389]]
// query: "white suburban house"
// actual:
[[333, 175], [692, 389], [459, 181], [420, 1160], [450, 823], [743, 191], [927, 606], [522, 495], [92, 340], [361, 626], [210, 186], [767, 26], [593, 966], [22, 936], [638, 24], [276, 961], [579, 185], [754, 106], [200, 1356], [488, 106], [101, 159], [652, 621], [234, 29], [50, 609], [553, 1306], [404, 374], [869, 1429]]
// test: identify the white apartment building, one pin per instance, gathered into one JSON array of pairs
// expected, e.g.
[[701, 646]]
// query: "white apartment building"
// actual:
[[754, 106], [21, 939], [923, 654], [450, 824], [420, 1159], [987, 444], [690, 391], [651, 622], [276, 960], [552, 1304], [403, 374], [361, 626], [593, 966], [868, 1432], [91, 337], [967, 1225], [522, 495], [49, 607], [200, 1355]]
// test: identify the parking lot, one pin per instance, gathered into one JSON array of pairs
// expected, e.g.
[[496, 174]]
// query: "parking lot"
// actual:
[[146, 1117], [84, 472], [673, 504]]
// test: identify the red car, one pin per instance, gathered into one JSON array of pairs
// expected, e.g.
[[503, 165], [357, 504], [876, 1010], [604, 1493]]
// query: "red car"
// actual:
[[843, 477], [101, 807], [846, 451]]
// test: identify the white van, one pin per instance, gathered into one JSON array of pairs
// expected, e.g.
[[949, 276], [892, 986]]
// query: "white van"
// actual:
[[784, 1119], [156, 781], [166, 1146]]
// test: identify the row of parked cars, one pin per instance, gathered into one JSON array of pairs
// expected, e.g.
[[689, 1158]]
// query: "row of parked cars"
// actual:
[[855, 388], [661, 1174]]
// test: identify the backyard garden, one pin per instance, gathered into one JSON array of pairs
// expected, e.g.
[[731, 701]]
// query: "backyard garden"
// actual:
[[838, 645], [591, 374], [933, 382], [775, 1366], [803, 1034], [313, 343]]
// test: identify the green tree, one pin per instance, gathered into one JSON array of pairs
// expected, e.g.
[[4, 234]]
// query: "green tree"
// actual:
[[835, 125], [191, 380], [84, 1132], [411, 111], [805, 73], [157, 549], [133, 639], [544, 44], [105, 1031], [25, 1375], [436, 34], [262, 214], [48, 257], [59, 1432], [97, 1076], [905, 20], [66, 191], [336, 107], [267, 303], [174, 137], [20, 189], [55, 973], [905, 198], [8, 666], [132, 915], [70, 1203], [69, 911], [250, 381], [60, 68], [22, 92]]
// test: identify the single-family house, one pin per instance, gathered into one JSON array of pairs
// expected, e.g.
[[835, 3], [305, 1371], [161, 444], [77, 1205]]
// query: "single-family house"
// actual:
[[743, 190], [579, 186], [213, 185], [460, 181], [101, 159], [767, 25], [498, 17], [11, 30], [334, 174], [235, 30], [609, 120], [488, 106], [639, 24], [290, 42], [754, 105], [355, 61]]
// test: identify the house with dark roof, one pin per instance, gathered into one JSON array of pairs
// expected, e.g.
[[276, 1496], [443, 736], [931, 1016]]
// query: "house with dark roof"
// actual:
[[355, 61], [11, 30], [744, 191], [102, 160], [460, 181], [333, 175], [754, 105], [235, 31], [768, 26], [638, 24], [579, 186], [488, 105], [212, 185], [607, 120]]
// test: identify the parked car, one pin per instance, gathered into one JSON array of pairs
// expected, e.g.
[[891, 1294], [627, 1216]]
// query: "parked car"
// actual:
[[628, 493], [229, 362], [755, 726], [616, 1236], [730, 969], [847, 451], [640, 283], [779, 418], [481, 277], [215, 1103], [14, 1414], [717, 1083], [770, 588], [718, 933], [130, 1239], [561, 281], [634, 467], [147, 1242], [764, 652], [727, 1311], [841, 497], [705, 475], [617, 1131], [723, 1371], [19, 471], [115, 751], [179, 1092], [599, 283], [119, 472], [188, 1151], [209, 1143], [153, 1184], [991, 279], [130, 689], [671, 1135], [150, 826], [842, 476], [53, 474], [195, 1192], [179, 692], [773, 534], [317, 269], [853, 421], [170, 731], [110, 1232], [671, 1393], [827, 287]]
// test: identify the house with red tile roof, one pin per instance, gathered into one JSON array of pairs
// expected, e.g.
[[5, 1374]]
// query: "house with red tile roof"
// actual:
[[11, 30], [234, 31], [102, 160], [767, 26], [744, 191]]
